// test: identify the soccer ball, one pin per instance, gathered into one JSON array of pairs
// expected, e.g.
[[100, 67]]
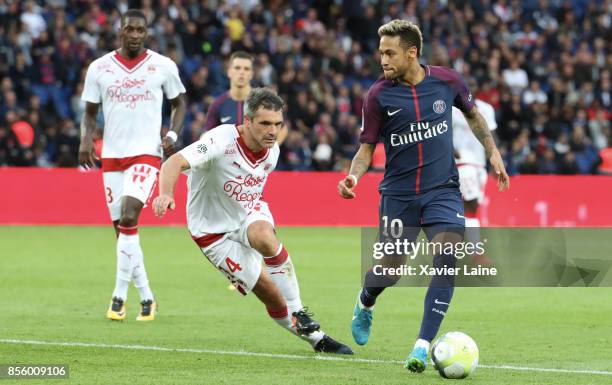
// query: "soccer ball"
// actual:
[[454, 355]]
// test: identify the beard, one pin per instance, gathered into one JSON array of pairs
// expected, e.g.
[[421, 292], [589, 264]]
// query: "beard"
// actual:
[[392, 75]]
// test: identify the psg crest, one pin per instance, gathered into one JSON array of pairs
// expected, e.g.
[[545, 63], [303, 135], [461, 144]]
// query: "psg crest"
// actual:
[[439, 106]]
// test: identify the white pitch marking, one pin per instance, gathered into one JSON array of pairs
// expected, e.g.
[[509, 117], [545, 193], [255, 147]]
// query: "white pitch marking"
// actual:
[[275, 355]]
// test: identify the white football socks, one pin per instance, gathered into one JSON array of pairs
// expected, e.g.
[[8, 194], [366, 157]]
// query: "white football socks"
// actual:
[[280, 267], [141, 281], [130, 265], [125, 254]]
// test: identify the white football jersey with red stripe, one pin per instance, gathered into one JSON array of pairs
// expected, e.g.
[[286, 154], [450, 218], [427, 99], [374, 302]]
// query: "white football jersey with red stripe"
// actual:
[[131, 93], [226, 180], [470, 150]]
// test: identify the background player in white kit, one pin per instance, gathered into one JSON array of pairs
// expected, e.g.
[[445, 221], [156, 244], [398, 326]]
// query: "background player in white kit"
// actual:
[[232, 226], [471, 165], [130, 84]]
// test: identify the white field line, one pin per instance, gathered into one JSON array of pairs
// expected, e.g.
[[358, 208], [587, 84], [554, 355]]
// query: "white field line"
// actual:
[[316, 357]]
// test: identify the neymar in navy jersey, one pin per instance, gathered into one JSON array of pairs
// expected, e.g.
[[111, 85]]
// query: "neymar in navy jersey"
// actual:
[[409, 110]]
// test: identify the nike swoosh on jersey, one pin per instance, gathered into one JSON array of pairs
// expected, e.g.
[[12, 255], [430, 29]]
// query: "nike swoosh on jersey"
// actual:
[[393, 113], [225, 119], [460, 216], [440, 302]]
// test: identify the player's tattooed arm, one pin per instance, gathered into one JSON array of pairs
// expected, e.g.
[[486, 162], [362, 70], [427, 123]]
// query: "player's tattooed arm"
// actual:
[[359, 166], [480, 129], [177, 119], [87, 156], [362, 160]]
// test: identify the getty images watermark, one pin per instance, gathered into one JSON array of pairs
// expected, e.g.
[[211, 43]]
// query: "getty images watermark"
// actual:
[[506, 257], [409, 249]]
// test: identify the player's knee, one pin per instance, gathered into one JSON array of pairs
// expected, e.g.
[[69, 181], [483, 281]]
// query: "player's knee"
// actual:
[[129, 218], [262, 238]]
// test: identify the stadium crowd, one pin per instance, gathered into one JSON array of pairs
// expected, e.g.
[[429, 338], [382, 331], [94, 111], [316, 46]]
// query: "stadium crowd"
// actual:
[[545, 66]]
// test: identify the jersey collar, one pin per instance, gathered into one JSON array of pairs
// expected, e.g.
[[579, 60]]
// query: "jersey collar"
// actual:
[[131, 64], [254, 158]]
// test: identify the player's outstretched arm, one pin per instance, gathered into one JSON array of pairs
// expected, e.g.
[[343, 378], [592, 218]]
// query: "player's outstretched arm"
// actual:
[[177, 119], [170, 171], [87, 156], [480, 129], [359, 166]]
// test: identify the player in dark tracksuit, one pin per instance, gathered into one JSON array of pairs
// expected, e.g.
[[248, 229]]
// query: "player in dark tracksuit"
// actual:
[[410, 111]]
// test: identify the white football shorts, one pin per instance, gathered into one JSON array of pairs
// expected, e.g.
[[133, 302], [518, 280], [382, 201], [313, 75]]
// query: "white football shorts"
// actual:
[[138, 181], [472, 182], [233, 255]]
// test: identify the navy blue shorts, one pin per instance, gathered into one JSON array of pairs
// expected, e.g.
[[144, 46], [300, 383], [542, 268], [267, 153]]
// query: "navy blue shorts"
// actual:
[[435, 211]]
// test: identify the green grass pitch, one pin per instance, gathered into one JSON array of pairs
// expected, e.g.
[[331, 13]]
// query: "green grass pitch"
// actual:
[[55, 284]]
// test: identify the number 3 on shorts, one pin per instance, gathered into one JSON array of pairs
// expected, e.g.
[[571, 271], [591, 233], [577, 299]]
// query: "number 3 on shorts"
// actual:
[[109, 195], [233, 266]]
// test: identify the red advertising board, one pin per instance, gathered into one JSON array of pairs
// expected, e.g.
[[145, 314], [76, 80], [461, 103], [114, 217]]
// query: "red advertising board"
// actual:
[[71, 196]]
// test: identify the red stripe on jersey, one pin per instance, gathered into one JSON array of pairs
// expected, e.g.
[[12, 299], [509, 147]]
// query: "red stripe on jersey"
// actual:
[[208, 239], [420, 166], [130, 63], [278, 259], [128, 230], [254, 158], [122, 164], [239, 113], [416, 103], [419, 145], [278, 313]]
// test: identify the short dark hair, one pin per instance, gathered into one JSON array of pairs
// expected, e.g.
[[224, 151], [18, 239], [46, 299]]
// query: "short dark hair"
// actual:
[[241, 55], [262, 98], [409, 33], [133, 13]]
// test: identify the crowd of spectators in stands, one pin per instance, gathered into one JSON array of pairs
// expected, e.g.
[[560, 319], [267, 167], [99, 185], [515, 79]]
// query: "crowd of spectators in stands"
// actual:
[[544, 65]]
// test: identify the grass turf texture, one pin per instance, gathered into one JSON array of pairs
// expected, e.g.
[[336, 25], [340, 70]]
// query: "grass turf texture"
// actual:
[[55, 284]]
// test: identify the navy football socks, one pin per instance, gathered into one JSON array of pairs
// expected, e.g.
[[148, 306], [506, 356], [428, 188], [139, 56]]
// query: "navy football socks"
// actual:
[[437, 299]]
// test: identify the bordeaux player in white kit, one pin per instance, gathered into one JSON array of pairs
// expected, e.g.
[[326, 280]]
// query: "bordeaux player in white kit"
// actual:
[[130, 83], [233, 227], [471, 164]]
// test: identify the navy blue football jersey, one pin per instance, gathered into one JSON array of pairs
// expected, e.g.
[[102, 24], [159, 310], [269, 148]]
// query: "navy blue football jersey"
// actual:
[[224, 110], [415, 125]]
